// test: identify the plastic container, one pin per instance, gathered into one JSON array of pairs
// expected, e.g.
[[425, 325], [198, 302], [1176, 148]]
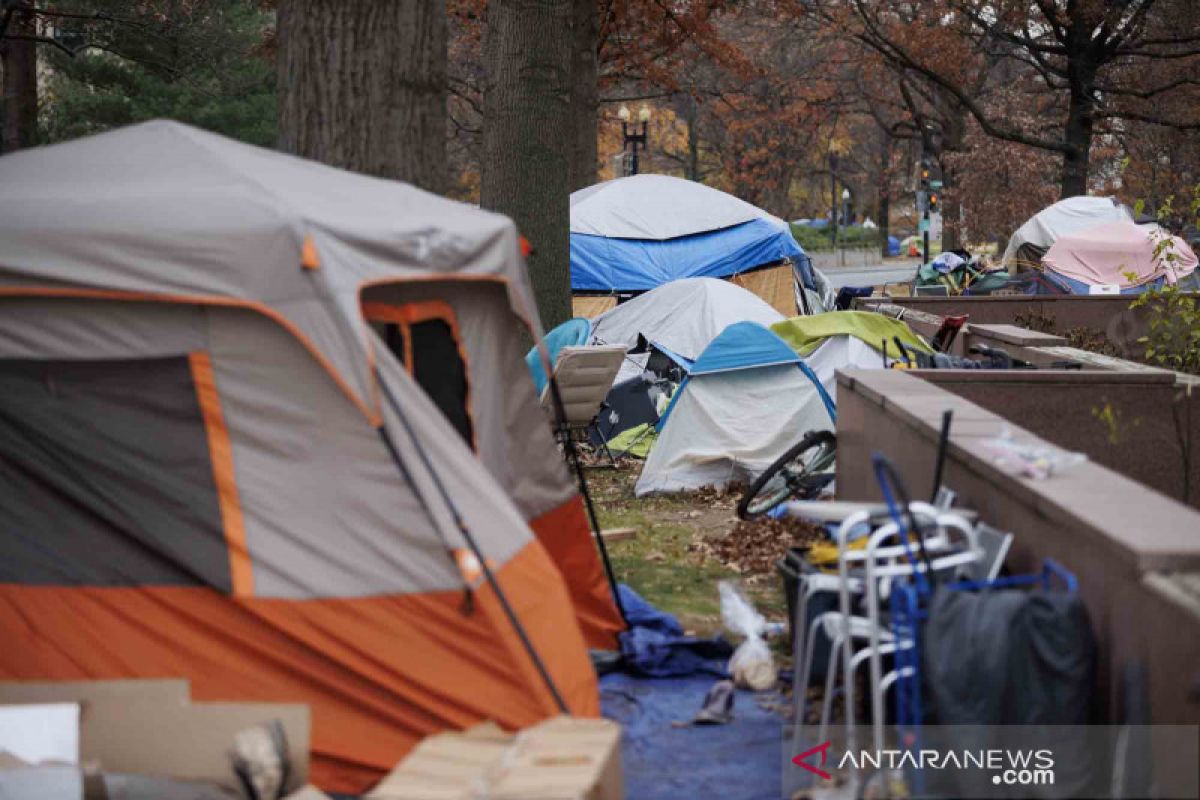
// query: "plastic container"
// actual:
[[791, 567]]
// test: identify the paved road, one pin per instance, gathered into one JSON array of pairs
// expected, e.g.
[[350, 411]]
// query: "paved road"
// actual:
[[870, 276]]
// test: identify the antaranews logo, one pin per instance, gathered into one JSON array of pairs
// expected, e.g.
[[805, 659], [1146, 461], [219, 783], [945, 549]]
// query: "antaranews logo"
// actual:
[[1008, 767]]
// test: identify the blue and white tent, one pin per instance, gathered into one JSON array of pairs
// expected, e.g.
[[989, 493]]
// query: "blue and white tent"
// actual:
[[747, 399], [633, 234]]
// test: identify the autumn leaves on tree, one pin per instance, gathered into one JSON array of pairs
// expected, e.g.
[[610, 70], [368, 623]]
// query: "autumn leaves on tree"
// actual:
[[512, 103]]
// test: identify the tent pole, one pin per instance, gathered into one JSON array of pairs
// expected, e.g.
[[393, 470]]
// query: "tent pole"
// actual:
[[489, 576]]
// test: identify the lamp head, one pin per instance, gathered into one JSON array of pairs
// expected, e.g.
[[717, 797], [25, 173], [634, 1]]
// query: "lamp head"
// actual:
[[623, 113], [644, 113]]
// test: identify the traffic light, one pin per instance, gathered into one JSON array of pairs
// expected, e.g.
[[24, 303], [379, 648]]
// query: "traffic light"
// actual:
[[924, 173], [933, 203]]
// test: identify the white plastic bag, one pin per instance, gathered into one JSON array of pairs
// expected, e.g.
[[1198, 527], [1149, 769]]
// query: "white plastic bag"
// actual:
[[1027, 459], [751, 666]]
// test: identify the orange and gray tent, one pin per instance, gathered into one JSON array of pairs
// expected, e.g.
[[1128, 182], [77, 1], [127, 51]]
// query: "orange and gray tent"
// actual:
[[265, 424]]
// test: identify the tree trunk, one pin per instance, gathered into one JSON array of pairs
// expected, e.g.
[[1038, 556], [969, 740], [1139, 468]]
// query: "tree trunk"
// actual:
[[1081, 106], [585, 93], [954, 136], [362, 86], [1079, 139], [885, 193], [692, 171], [18, 63], [527, 137]]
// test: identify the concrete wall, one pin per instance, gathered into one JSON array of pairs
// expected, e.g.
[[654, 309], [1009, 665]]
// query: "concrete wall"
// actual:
[[1139, 420], [1126, 543], [1139, 424], [858, 257], [1109, 315]]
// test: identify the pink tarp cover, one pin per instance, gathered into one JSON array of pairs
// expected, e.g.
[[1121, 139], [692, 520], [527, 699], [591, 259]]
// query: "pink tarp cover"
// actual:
[[1105, 253]]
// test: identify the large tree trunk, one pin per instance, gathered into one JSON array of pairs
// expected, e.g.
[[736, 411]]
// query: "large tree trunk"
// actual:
[[1079, 139], [362, 85], [585, 93], [692, 170], [1081, 107], [885, 193], [18, 64], [527, 137], [954, 136]]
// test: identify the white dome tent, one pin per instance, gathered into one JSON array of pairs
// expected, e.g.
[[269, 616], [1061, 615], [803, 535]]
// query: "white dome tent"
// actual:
[[748, 398], [1072, 215], [683, 316]]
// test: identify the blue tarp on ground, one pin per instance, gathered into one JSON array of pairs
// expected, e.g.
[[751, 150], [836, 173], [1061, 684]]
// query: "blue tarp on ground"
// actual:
[[600, 263], [738, 761], [656, 646], [662, 761]]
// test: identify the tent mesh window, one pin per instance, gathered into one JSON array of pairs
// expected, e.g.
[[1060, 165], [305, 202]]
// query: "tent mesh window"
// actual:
[[423, 336], [106, 477], [439, 368]]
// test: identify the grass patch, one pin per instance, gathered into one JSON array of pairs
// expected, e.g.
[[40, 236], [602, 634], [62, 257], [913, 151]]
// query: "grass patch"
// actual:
[[659, 563]]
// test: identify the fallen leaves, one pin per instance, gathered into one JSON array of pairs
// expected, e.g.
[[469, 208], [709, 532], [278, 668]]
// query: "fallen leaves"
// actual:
[[753, 546]]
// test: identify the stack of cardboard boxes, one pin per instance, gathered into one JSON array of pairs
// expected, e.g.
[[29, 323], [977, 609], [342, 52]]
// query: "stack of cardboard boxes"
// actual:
[[559, 759], [147, 740], [132, 739]]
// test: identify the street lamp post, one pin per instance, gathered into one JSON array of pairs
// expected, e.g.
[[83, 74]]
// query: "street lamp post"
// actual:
[[925, 192], [833, 216], [634, 135]]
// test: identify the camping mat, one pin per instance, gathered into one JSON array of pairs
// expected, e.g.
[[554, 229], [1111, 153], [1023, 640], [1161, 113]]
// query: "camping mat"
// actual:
[[805, 334], [737, 761]]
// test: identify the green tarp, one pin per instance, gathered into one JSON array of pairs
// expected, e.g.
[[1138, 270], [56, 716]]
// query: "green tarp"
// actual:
[[805, 334], [962, 280], [635, 441]]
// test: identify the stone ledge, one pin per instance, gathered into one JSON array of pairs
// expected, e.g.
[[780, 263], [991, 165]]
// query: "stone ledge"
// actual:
[[1145, 529], [1014, 334]]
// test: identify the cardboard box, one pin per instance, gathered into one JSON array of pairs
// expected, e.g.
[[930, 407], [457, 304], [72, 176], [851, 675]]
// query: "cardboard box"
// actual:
[[150, 728], [563, 758], [159, 690], [446, 766], [40, 732], [559, 759], [191, 743], [41, 782]]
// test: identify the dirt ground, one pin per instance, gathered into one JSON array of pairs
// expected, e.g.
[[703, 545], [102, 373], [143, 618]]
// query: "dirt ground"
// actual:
[[686, 543]]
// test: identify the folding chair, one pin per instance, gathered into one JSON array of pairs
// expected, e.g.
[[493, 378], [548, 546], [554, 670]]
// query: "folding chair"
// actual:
[[584, 376]]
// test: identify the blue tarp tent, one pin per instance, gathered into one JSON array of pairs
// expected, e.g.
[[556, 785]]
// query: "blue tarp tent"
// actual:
[[893, 248], [747, 345], [600, 263], [637, 233]]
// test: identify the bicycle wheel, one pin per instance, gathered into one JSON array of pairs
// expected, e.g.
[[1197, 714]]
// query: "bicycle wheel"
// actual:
[[796, 473]]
